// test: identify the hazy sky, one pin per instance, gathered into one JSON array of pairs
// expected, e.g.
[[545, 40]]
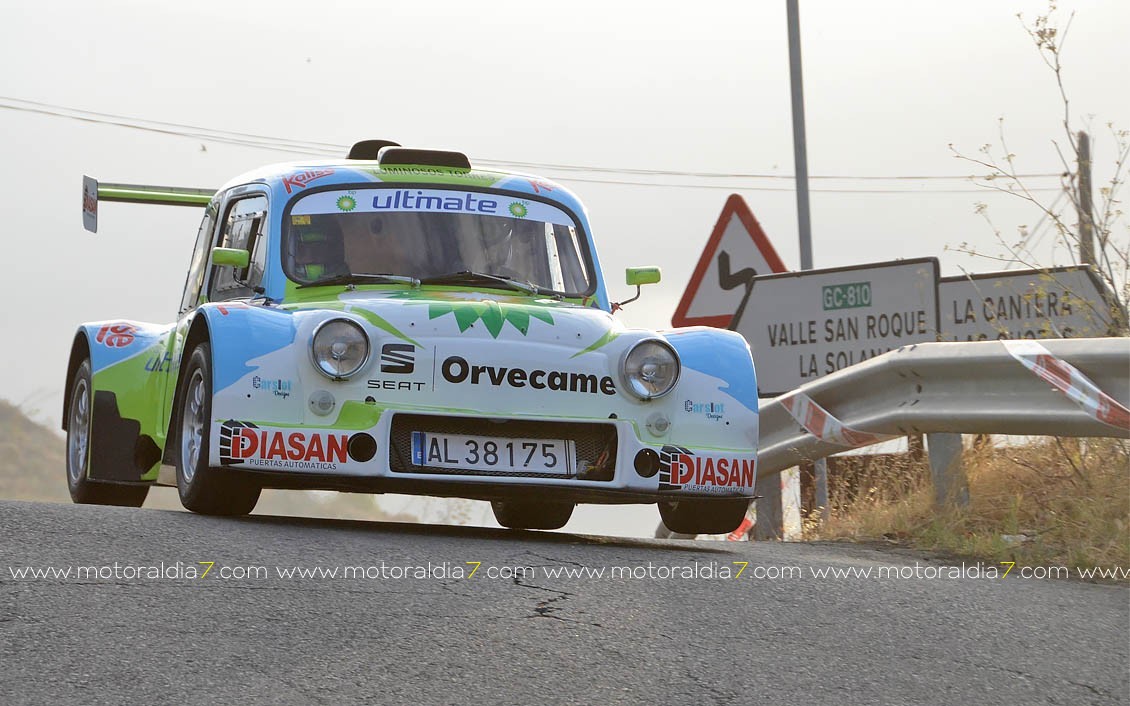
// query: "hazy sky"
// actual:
[[703, 87]]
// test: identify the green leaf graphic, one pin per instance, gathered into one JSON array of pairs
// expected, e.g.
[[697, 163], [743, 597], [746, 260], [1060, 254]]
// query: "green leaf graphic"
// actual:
[[493, 319], [494, 314]]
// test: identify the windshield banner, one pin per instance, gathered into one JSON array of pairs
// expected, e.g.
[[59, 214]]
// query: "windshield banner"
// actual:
[[429, 201]]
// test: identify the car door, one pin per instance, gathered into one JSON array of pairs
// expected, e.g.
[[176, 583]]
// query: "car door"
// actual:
[[236, 218], [242, 228]]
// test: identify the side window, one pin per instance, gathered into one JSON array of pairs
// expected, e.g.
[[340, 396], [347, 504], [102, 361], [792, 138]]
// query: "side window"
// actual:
[[243, 229], [200, 257], [574, 274]]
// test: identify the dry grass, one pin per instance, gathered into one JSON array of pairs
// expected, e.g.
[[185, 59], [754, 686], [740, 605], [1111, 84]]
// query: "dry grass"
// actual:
[[1053, 502]]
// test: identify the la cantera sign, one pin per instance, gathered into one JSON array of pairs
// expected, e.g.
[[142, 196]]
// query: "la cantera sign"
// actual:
[[1060, 302]]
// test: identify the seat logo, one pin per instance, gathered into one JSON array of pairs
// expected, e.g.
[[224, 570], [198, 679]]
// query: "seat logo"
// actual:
[[398, 358]]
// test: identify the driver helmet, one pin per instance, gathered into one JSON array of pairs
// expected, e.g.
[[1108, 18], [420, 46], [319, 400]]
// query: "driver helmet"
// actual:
[[506, 240], [318, 249]]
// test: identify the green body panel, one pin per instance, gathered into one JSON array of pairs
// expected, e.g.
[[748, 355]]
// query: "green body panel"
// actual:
[[436, 175], [599, 343], [353, 416], [141, 385], [369, 316]]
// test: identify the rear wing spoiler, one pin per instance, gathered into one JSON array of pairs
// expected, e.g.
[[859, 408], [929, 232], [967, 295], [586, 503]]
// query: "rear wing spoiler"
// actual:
[[93, 192]]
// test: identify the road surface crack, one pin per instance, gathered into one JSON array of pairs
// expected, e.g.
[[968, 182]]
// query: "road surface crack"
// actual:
[[708, 686], [546, 608], [1090, 688]]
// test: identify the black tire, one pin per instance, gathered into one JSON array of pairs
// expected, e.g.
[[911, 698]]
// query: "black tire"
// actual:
[[703, 516], [532, 514], [80, 415], [202, 489]]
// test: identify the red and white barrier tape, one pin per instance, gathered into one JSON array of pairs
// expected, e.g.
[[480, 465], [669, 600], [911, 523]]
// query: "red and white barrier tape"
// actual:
[[741, 531], [1067, 379], [820, 423]]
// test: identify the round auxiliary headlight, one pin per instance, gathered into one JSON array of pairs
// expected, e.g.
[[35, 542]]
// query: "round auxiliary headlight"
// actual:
[[339, 348], [650, 369]]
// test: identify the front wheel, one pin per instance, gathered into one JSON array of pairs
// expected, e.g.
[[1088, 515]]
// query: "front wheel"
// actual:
[[532, 514], [703, 516], [209, 491], [80, 417]]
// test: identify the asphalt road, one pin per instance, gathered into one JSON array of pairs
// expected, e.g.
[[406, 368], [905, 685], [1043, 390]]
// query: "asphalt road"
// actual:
[[125, 635]]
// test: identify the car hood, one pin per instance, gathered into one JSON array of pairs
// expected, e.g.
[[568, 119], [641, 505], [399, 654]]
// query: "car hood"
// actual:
[[480, 354], [491, 353], [418, 315]]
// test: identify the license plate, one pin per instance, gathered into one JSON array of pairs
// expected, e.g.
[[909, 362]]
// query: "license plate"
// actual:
[[490, 453]]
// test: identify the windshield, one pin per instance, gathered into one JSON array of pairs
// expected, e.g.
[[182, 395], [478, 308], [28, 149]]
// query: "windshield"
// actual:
[[428, 234]]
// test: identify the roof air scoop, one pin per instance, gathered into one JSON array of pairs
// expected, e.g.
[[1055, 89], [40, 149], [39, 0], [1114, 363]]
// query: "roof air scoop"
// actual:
[[369, 149], [404, 156]]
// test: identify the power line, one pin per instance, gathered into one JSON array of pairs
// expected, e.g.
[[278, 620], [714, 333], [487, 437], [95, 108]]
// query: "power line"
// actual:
[[739, 175], [746, 187], [1038, 231], [176, 129], [128, 121], [320, 149]]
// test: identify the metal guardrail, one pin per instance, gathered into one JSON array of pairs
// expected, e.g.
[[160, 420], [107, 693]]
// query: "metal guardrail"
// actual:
[[971, 388]]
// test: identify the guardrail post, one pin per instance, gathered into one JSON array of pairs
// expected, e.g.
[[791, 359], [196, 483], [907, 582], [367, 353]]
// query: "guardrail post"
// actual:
[[950, 484], [778, 508], [821, 471], [914, 448], [770, 519], [791, 526]]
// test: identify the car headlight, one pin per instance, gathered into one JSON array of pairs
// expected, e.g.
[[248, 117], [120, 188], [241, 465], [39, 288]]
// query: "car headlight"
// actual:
[[650, 369], [339, 348]]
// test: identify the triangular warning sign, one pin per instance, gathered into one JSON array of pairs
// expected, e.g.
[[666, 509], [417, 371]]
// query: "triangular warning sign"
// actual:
[[738, 250]]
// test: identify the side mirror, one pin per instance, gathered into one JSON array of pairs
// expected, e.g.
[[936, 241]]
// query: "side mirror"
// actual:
[[231, 257], [636, 276]]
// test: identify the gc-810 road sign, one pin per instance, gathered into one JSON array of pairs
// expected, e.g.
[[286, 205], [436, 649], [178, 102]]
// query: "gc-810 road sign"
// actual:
[[804, 325]]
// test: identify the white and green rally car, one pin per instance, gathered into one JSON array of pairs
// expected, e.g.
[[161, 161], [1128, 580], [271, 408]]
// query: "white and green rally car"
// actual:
[[399, 321]]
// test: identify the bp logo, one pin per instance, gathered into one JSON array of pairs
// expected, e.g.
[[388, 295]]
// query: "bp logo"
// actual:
[[518, 209], [346, 203]]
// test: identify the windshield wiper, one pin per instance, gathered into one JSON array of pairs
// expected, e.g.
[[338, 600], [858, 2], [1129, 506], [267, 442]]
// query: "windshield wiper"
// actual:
[[467, 276], [363, 278]]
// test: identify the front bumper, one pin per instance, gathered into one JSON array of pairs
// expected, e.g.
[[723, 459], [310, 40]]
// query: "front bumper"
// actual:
[[611, 463]]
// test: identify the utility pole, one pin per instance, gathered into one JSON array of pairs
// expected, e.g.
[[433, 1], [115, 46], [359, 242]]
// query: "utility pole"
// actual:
[[1087, 255], [769, 506], [1084, 205], [800, 150]]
